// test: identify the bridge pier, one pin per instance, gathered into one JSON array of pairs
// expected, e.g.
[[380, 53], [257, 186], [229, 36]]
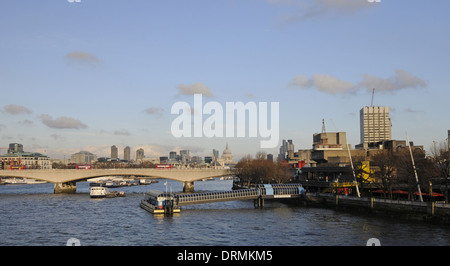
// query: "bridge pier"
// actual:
[[188, 186], [258, 202], [69, 187]]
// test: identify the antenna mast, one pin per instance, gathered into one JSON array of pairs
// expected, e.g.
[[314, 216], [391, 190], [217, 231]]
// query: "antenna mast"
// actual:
[[373, 93]]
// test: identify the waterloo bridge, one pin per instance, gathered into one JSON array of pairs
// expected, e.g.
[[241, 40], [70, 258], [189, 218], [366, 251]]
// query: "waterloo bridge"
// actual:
[[65, 179]]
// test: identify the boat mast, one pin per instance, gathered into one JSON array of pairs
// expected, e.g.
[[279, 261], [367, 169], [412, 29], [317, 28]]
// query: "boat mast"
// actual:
[[414, 167]]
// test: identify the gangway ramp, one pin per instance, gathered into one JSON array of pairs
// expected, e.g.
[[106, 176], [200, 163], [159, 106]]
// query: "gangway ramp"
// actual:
[[263, 191]]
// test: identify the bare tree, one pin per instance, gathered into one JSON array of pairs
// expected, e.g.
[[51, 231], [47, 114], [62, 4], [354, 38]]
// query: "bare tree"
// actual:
[[260, 170], [386, 162]]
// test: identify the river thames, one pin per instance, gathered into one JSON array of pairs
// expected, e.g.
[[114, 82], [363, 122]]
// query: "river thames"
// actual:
[[31, 215]]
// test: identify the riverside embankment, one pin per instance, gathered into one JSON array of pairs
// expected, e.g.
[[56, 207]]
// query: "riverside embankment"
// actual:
[[412, 210]]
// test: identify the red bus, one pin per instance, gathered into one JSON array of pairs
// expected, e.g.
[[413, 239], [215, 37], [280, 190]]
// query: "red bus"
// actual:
[[163, 165], [18, 167], [84, 166]]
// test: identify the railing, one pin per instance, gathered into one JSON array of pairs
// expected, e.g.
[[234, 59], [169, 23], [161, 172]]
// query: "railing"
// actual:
[[212, 196], [251, 193]]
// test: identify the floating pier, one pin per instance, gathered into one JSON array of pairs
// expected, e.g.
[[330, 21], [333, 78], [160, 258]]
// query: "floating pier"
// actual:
[[160, 202]]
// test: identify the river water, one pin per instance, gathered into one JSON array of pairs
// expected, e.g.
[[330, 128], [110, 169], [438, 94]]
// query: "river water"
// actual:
[[32, 215]]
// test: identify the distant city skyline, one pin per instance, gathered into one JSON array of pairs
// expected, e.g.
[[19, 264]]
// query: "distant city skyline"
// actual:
[[75, 78]]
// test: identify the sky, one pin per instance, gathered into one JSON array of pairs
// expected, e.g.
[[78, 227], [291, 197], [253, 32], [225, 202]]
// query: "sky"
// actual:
[[91, 74]]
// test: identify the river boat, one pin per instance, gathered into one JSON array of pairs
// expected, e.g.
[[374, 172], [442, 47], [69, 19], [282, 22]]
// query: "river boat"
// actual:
[[98, 192], [103, 192], [158, 202], [114, 194]]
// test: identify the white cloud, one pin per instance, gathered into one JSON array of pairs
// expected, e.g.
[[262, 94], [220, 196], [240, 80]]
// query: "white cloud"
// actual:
[[324, 83], [329, 84], [198, 87], [62, 122], [16, 109], [401, 80]]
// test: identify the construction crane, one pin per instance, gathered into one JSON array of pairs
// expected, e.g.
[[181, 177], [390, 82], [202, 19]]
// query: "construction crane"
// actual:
[[373, 93]]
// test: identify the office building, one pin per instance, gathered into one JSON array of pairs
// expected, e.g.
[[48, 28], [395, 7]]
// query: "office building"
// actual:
[[114, 152], [15, 148], [286, 150], [185, 156], [83, 157], [127, 153], [140, 154], [208, 159], [215, 154], [375, 125]]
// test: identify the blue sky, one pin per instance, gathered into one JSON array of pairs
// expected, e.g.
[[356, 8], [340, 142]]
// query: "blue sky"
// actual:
[[88, 75]]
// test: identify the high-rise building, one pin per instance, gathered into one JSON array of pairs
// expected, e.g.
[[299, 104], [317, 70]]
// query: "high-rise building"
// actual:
[[375, 124], [127, 153], [286, 150], [140, 154], [114, 152], [15, 148], [173, 155], [215, 154]]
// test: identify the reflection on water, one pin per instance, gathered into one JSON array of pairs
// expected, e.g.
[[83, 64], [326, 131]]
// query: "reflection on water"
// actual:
[[33, 215]]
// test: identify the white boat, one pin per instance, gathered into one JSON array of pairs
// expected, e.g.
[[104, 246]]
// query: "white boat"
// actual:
[[99, 192]]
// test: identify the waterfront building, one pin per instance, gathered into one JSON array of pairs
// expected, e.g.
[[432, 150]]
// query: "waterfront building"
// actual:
[[30, 160], [127, 153], [114, 152], [83, 157], [140, 154], [332, 148], [375, 125]]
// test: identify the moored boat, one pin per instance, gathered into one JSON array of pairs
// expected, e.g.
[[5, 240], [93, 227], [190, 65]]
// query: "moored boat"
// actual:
[[158, 202], [98, 192], [103, 192]]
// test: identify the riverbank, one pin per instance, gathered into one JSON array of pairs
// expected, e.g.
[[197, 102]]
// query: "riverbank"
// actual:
[[411, 210]]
